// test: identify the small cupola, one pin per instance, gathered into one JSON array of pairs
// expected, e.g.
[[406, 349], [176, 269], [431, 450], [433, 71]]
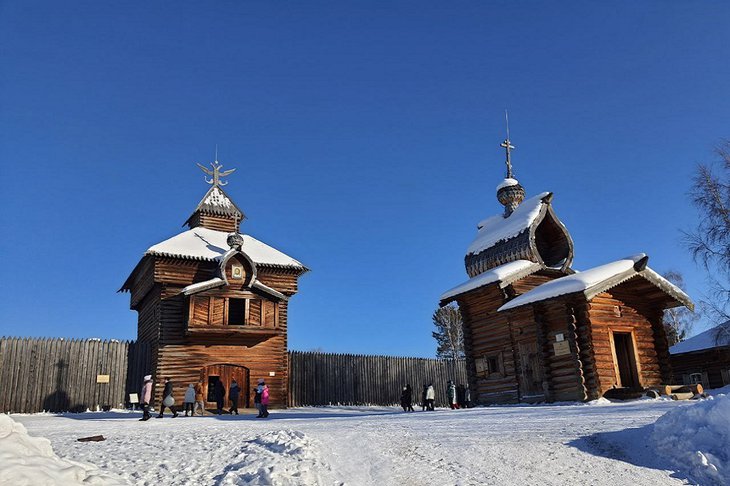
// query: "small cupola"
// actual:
[[216, 210], [509, 192]]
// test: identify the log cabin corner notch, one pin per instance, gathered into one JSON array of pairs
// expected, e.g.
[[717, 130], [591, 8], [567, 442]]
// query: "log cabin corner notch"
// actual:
[[535, 330], [213, 302]]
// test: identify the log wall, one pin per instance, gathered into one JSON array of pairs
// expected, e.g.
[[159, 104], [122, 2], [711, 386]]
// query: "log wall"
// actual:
[[713, 364]]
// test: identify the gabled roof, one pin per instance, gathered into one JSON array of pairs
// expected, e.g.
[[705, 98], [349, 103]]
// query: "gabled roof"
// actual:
[[599, 279], [217, 202], [503, 274], [704, 340]]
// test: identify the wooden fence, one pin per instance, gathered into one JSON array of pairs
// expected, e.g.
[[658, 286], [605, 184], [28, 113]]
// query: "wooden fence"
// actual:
[[346, 379], [38, 374], [58, 375]]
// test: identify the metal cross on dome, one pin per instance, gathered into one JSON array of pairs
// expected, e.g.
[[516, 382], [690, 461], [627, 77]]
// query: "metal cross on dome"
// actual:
[[507, 145], [216, 173]]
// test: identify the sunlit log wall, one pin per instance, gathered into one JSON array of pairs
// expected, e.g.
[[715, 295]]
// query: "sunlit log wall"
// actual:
[[346, 379], [59, 375]]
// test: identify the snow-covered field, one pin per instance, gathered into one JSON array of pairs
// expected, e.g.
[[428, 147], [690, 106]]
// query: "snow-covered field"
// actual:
[[599, 443]]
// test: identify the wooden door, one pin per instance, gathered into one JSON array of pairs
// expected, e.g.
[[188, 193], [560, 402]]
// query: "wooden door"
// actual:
[[225, 373], [625, 360], [531, 371]]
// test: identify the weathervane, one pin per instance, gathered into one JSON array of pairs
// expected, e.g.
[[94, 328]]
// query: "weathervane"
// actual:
[[216, 173], [507, 145]]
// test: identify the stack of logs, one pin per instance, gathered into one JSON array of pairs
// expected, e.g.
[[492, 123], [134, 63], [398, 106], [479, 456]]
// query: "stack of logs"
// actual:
[[678, 392]]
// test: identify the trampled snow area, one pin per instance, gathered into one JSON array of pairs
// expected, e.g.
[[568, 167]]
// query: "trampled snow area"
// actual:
[[604, 443]]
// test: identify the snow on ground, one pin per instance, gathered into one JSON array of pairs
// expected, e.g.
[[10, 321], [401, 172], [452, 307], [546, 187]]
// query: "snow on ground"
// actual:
[[698, 438], [605, 443], [26, 460]]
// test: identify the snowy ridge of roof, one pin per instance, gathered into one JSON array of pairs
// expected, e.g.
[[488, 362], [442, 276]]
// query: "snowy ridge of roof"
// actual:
[[206, 244], [578, 282], [704, 340], [509, 181], [507, 272], [497, 228], [216, 197]]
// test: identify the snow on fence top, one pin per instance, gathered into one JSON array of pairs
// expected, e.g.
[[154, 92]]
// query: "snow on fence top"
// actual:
[[579, 282], [507, 272], [206, 244], [704, 340], [497, 228]]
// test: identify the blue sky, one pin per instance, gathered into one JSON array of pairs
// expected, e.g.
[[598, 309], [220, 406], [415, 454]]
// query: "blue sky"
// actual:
[[366, 137]]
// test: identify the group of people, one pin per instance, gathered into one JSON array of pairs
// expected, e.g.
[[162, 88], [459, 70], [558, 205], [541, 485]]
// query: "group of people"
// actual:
[[194, 398], [459, 397]]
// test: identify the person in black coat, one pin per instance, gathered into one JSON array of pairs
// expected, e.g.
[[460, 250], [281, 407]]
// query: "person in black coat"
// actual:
[[233, 393], [406, 398], [461, 396], [167, 397], [424, 403], [219, 391]]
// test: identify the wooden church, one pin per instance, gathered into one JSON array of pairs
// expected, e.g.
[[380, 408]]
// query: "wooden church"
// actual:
[[537, 330], [212, 302]]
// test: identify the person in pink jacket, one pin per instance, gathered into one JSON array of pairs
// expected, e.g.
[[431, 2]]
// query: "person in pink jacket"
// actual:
[[264, 399], [146, 397]]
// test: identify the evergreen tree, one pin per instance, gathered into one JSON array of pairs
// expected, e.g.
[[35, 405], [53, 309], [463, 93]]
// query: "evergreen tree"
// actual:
[[449, 333]]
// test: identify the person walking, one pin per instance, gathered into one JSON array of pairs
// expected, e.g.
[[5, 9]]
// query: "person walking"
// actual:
[[467, 396], [219, 391], [460, 396], [233, 393], [199, 403], [451, 394], [168, 401], [430, 397], [146, 397], [189, 400], [264, 398], [424, 403], [406, 398]]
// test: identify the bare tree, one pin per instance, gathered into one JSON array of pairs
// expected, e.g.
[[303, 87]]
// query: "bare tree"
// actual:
[[449, 332], [709, 242], [678, 321]]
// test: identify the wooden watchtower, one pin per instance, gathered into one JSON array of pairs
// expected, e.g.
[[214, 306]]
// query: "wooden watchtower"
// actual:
[[213, 302]]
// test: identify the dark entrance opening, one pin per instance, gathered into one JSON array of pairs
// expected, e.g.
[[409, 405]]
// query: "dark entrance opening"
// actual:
[[225, 373], [625, 360]]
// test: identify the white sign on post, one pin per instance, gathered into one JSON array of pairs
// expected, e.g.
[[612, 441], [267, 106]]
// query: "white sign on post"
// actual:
[[133, 398]]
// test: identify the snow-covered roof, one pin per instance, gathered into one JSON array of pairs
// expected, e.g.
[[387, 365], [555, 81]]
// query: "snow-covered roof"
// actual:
[[704, 340], [216, 201], [505, 274], [599, 279], [206, 244], [498, 228], [507, 183]]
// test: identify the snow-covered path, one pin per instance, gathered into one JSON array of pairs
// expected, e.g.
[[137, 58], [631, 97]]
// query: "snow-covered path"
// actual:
[[556, 444]]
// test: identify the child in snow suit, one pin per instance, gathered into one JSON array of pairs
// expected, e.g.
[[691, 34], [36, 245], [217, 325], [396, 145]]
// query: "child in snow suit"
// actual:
[[189, 400], [264, 390], [199, 403], [145, 396]]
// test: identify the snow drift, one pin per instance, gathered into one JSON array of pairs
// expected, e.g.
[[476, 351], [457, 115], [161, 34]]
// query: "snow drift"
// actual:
[[30, 461], [696, 439]]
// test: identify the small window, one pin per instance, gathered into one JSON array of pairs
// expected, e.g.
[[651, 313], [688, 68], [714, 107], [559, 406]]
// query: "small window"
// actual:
[[236, 312], [492, 365], [695, 378]]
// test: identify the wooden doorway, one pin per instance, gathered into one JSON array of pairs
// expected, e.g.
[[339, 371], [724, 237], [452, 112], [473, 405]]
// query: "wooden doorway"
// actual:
[[624, 359], [531, 372], [225, 373]]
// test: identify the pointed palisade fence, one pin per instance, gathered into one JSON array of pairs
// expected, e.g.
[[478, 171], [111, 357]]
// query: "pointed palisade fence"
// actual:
[[75, 375], [317, 379]]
